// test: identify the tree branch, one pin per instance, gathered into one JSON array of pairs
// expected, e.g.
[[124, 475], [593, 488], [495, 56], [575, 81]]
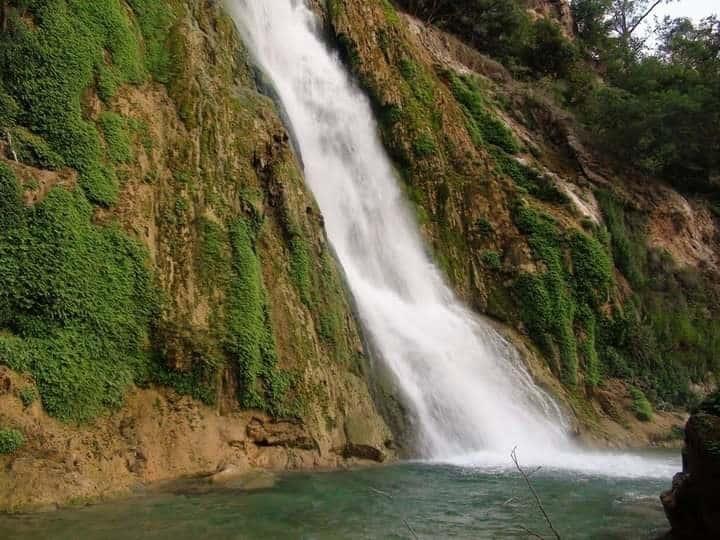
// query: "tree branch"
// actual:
[[405, 521], [513, 456], [531, 533], [642, 18]]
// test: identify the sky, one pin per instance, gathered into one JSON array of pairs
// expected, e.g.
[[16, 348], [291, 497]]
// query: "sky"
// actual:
[[695, 9]]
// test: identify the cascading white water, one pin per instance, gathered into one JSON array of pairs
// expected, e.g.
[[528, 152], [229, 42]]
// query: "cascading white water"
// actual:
[[467, 388]]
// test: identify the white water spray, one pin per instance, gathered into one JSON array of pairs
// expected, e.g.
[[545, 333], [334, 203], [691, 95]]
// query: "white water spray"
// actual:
[[472, 397]]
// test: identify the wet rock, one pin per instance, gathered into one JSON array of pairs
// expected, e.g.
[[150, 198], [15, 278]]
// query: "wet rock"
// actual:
[[287, 434], [237, 477], [363, 451], [692, 505], [227, 474]]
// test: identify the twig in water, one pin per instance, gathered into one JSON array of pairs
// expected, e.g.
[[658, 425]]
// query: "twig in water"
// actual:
[[513, 456], [410, 529], [531, 533], [405, 521], [536, 470], [384, 494]]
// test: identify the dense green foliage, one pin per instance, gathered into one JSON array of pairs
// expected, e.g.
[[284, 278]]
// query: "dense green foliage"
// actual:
[[503, 29], [117, 137], [33, 150], [483, 126], [155, 19], [52, 52], [28, 395], [663, 337], [492, 260], [640, 405], [538, 185], [78, 300], [548, 51], [249, 340], [79, 309], [668, 333], [658, 110], [560, 305], [11, 440]]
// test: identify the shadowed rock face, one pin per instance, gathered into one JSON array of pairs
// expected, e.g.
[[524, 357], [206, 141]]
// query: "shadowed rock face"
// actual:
[[692, 505]]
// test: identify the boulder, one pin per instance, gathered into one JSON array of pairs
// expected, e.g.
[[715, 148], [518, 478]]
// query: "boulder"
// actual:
[[692, 505]]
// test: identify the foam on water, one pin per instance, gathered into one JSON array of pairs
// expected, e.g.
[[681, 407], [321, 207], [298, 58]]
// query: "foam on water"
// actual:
[[465, 387]]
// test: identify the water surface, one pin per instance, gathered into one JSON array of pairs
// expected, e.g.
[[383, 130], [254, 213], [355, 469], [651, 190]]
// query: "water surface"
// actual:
[[436, 501]]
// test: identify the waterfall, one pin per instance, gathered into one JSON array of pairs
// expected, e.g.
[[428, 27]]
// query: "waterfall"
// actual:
[[471, 398]]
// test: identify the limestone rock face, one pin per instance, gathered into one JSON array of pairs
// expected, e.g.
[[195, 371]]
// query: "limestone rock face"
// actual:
[[692, 505]]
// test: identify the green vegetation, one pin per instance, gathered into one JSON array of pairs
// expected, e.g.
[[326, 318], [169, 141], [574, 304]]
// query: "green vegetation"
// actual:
[[300, 267], [78, 300], [491, 259], [546, 300], [502, 29], [667, 99], [424, 145], [214, 257], [79, 308], [390, 12], [657, 110], [666, 336], [11, 440], [155, 19], [539, 186], [640, 405], [34, 150], [117, 137], [28, 395], [483, 126], [419, 81], [561, 304], [250, 342], [661, 338], [484, 227], [53, 52]]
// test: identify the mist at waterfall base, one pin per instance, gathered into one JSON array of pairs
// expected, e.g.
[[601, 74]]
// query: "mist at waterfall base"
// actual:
[[468, 393]]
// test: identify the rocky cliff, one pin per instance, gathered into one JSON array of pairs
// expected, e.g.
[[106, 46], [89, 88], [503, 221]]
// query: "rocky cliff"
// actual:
[[608, 275], [170, 303]]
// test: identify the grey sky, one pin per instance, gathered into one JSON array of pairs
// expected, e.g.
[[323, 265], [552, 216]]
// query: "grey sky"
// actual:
[[695, 9]]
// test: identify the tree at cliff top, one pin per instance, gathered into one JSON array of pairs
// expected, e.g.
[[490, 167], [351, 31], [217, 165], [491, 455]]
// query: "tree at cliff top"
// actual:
[[502, 29], [659, 111]]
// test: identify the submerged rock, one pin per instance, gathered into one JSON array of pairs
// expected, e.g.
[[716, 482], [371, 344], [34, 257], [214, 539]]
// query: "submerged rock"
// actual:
[[692, 505]]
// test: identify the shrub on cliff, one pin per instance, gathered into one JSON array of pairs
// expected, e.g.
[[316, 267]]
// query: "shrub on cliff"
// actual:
[[640, 405], [11, 440]]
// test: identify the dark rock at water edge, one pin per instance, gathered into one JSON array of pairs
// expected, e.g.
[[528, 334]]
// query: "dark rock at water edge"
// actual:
[[692, 505]]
